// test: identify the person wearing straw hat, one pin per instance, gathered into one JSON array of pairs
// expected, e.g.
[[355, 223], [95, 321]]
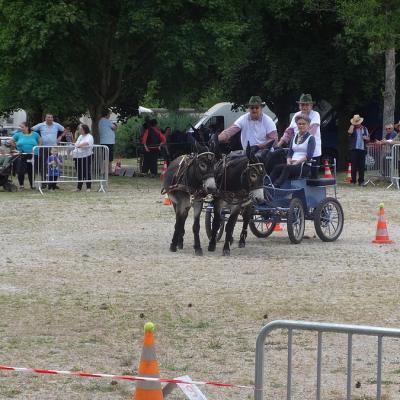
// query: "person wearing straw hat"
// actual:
[[359, 137], [256, 127], [306, 104]]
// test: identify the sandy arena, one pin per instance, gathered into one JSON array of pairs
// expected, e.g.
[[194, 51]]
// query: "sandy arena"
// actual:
[[82, 272]]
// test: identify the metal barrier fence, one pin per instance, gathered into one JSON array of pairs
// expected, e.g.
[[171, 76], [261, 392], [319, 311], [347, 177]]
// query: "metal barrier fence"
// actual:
[[395, 166], [64, 164], [350, 330], [378, 162]]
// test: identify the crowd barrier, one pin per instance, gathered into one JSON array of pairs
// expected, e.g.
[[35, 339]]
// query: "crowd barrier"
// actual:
[[382, 163], [72, 168], [320, 328]]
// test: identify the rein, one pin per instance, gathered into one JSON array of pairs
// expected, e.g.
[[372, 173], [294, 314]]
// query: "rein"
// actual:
[[180, 177], [239, 196]]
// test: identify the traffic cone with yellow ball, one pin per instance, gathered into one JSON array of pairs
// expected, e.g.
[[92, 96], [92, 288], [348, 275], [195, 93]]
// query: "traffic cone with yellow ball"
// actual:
[[148, 368]]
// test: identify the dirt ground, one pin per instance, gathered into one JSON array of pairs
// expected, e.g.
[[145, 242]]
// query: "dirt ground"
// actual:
[[82, 272]]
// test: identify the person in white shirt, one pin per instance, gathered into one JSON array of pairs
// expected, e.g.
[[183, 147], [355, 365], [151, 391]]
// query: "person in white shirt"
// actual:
[[257, 128], [306, 108], [82, 155]]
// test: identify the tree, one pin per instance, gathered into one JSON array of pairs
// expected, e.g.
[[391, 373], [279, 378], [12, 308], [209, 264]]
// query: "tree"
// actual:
[[378, 22], [72, 56], [299, 46]]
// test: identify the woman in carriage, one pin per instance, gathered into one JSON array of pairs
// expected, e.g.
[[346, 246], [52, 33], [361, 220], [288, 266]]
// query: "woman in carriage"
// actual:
[[301, 150]]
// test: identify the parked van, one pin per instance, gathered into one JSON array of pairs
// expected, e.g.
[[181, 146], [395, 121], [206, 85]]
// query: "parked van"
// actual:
[[221, 116]]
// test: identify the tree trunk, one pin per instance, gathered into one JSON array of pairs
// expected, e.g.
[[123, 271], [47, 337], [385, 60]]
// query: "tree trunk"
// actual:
[[389, 96], [95, 115]]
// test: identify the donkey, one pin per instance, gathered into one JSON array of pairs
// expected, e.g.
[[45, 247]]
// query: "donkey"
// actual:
[[240, 182], [189, 178]]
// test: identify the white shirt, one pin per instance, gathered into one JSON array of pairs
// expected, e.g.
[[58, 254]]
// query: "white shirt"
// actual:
[[256, 131], [83, 151], [315, 119]]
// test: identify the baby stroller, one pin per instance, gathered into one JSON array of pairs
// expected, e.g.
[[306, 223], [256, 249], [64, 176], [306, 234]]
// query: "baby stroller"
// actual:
[[6, 170]]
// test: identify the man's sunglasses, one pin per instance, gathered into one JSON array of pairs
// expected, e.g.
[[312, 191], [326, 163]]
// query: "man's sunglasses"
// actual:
[[254, 107]]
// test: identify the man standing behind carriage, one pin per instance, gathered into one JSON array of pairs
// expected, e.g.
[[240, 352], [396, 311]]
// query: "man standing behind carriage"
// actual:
[[306, 108], [256, 128]]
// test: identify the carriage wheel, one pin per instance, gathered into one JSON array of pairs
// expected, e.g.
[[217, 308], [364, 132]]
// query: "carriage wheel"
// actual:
[[296, 221], [328, 219], [208, 221], [260, 226]]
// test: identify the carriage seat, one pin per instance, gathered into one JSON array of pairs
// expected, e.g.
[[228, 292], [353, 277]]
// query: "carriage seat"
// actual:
[[321, 182]]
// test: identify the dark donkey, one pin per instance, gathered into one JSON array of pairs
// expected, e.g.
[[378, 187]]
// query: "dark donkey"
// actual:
[[240, 182], [189, 178]]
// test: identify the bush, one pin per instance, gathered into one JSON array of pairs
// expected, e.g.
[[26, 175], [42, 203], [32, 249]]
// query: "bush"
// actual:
[[128, 134]]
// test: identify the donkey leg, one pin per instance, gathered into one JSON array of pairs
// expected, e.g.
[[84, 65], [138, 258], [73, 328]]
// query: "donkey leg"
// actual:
[[180, 239], [246, 214], [230, 226], [182, 209], [197, 207], [215, 226]]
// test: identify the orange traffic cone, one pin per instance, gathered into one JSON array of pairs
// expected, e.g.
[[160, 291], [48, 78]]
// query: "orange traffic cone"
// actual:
[[327, 170], [148, 368], [167, 201], [278, 228], [382, 236], [163, 170], [348, 176]]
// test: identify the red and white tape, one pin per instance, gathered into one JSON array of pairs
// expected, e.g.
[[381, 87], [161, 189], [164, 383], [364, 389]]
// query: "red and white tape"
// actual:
[[120, 377]]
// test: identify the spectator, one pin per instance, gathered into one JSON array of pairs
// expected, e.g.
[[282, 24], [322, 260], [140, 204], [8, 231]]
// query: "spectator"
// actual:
[[165, 147], [82, 155], [306, 104], [107, 136], [54, 161], [301, 149], [152, 141], [49, 131], [67, 136], [359, 137], [25, 140], [388, 135]]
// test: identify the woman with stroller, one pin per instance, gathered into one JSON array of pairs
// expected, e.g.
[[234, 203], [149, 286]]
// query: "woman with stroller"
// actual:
[[25, 140], [301, 149]]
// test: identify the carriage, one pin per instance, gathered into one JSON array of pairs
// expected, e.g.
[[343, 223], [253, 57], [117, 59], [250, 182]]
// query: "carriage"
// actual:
[[295, 202]]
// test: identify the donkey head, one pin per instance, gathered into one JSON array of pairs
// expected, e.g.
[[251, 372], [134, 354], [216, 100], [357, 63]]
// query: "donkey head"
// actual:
[[204, 170], [253, 177]]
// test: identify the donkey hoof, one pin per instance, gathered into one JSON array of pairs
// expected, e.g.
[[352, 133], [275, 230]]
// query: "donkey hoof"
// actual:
[[226, 252], [198, 252], [211, 247], [172, 248], [242, 244], [180, 245]]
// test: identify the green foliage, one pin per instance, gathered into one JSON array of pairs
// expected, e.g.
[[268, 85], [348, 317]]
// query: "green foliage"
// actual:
[[375, 20]]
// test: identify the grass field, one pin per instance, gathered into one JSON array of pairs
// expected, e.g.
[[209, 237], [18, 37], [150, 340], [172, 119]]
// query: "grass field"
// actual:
[[82, 272]]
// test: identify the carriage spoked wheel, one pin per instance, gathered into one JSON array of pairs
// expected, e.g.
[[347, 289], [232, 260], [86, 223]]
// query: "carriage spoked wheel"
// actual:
[[261, 226], [208, 222], [296, 221], [328, 219]]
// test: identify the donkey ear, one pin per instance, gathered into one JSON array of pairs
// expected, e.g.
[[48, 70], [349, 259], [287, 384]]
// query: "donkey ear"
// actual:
[[248, 150]]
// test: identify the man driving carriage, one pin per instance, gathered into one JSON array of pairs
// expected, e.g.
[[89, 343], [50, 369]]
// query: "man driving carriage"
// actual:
[[256, 128]]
